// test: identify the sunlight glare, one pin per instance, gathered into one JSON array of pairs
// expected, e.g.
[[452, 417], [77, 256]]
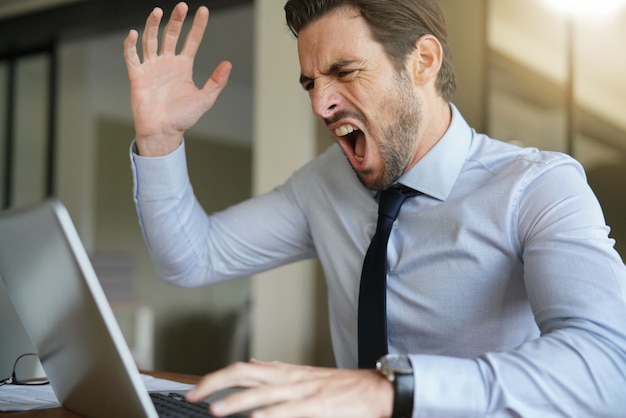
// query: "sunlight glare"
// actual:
[[582, 8]]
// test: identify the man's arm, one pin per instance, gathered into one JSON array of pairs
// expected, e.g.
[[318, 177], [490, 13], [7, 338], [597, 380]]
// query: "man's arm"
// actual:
[[190, 248]]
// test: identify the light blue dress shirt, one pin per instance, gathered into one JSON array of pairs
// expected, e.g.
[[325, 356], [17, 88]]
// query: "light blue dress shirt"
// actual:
[[503, 284]]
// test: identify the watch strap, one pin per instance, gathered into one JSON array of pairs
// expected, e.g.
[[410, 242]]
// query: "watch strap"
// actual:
[[403, 386]]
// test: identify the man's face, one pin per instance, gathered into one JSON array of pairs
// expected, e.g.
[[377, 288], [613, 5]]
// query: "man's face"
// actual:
[[370, 109]]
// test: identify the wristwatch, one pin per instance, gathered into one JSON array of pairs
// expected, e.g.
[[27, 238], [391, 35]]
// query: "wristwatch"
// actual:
[[398, 369]]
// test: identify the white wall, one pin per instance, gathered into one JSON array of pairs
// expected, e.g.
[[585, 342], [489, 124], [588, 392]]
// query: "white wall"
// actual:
[[285, 138]]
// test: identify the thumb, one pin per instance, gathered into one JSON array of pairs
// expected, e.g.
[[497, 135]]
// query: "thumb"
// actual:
[[218, 80]]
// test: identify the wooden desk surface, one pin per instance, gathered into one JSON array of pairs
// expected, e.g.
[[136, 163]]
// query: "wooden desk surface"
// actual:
[[64, 413]]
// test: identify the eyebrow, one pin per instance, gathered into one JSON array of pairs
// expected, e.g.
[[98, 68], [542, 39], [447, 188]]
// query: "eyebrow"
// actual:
[[304, 79], [334, 67]]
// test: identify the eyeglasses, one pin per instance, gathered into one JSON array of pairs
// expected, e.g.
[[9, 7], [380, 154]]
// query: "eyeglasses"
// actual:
[[26, 371]]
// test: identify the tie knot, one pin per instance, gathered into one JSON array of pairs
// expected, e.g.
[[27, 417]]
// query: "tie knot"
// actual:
[[390, 200]]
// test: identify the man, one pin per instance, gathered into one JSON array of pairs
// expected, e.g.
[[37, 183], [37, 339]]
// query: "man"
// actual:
[[504, 294]]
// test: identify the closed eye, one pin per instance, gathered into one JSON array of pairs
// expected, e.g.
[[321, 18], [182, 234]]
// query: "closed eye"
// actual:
[[307, 83], [345, 73]]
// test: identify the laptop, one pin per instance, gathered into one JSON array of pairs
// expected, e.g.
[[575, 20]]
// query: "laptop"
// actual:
[[54, 289], [13, 338]]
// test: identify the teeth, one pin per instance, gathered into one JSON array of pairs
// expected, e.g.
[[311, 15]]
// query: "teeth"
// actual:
[[344, 130]]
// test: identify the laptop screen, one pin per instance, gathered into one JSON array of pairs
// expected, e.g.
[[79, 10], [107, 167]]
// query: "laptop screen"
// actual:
[[58, 297]]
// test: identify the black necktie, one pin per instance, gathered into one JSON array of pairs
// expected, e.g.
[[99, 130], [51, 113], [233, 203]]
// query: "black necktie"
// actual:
[[373, 291]]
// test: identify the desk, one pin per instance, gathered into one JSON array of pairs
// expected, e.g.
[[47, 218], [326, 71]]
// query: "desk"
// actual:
[[64, 413]]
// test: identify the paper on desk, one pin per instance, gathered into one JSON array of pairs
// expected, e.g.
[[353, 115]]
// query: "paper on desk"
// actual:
[[24, 398], [154, 384]]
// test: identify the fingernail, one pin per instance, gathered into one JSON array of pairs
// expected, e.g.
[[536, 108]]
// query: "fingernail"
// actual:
[[218, 407], [191, 393]]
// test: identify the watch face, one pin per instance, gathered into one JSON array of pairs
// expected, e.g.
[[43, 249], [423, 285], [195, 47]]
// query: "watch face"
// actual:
[[400, 363], [392, 364]]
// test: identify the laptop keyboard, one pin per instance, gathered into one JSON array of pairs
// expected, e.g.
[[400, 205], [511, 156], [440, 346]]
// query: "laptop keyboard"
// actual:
[[174, 405]]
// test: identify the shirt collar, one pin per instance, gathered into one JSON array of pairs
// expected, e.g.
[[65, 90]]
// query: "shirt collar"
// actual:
[[436, 173]]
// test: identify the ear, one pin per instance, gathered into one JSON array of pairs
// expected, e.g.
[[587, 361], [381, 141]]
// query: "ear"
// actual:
[[424, 62]]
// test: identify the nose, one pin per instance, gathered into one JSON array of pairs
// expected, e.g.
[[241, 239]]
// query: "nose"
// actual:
[[325, 100]]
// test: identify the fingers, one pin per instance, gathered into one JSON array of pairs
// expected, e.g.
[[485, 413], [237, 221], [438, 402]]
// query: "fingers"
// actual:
[[196, 33], [150, 41], [173, 28], [271, 382], [263, 396], [130, 51], [218, 80], [172, 31], [267, 383], [277, 390], [241, 374], [235, 375]]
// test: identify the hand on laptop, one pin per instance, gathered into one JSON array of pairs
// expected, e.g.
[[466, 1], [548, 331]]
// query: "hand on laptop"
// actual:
[[278, 389], [164, 99]]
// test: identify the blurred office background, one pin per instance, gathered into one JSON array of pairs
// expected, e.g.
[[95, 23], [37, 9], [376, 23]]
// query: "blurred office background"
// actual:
[[528, 72]]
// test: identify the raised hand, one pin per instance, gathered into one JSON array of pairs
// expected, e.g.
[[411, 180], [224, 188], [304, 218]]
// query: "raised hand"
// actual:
[[165, 101]]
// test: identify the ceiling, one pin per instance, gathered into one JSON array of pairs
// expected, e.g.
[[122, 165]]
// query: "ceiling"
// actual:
[[30, 25], [12, 8]]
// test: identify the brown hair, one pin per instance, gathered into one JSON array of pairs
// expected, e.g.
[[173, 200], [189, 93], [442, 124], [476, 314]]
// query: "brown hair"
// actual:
[[396, 24]]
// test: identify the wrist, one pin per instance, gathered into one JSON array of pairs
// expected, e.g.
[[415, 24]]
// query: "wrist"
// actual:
[[147, 146], [398, 370]]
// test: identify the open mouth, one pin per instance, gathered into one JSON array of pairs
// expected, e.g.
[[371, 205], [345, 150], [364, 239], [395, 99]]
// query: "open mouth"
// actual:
[[352, 141]]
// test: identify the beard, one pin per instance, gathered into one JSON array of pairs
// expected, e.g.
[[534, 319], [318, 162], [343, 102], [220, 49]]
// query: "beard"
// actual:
[[399, 137]]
